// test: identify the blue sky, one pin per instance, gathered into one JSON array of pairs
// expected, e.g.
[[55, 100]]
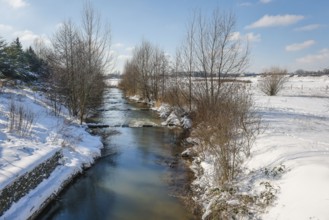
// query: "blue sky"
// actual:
[[292, 34]]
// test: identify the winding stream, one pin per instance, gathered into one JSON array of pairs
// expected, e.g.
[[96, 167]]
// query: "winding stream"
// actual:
[[134, 177]]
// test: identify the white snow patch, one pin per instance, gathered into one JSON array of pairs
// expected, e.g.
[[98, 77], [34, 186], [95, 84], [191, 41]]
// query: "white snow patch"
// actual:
[[49, 134], [172, 119]]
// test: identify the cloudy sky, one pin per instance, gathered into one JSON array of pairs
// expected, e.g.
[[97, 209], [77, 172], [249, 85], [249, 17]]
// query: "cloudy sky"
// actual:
[[292, 34]]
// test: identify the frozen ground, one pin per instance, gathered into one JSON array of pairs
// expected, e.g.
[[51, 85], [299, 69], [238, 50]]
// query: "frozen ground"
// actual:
[[20, 154], [296, 137]]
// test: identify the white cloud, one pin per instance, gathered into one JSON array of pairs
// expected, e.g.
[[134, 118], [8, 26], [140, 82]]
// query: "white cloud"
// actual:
[[27, 37], [118, 45], [251, 37], [310, 27], [275, 20], [300, 46], [265, 1], [321, 57], [16, 3], [235, 36]]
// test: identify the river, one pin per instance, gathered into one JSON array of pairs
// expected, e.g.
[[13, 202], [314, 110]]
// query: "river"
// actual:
[[138, 175]]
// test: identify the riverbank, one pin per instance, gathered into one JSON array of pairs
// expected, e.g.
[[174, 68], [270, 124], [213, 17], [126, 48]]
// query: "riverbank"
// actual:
[[175, 118], [132, 179], [23, 152], [286, 174], [288, 158]]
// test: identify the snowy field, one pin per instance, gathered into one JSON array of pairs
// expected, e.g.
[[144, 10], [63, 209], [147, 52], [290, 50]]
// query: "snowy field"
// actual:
[[297, 137], [20, 154], [293, 150]]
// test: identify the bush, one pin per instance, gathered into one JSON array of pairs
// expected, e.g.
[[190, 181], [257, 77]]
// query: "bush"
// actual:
[[273, 81], [227, 128], [20, 119]]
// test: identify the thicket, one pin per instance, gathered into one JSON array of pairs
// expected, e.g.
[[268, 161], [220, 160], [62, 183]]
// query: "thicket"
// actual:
[[222, 108], [78, 58], [21, 119], [72, 69], [147, 73]]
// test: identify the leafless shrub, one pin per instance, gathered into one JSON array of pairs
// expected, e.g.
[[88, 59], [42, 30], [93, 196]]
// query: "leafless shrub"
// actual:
[[222, 110], [55, 103], [21, 119], [273, 81], [229, 204], [227, 129], [176, 96], [65, 134]]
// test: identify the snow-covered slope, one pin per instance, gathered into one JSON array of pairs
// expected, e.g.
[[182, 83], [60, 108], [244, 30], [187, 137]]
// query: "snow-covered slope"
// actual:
[[20, 154]]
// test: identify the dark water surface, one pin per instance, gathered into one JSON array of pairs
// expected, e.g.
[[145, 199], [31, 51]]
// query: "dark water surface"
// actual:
[[133, 179]]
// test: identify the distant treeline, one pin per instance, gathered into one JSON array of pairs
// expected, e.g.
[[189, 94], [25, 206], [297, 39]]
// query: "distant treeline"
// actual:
[[311, 73]]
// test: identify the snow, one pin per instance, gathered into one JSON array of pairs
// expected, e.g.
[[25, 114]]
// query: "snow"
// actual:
[[304, 192], [298, 138], [164, 110], [21, 154], [172, 120], [295, 136], [112, 82], [172, 117]]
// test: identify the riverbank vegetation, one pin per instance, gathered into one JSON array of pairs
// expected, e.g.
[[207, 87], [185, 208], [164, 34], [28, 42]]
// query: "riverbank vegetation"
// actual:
[[221, 108], [199, 84], [71, 68], [78, 58]]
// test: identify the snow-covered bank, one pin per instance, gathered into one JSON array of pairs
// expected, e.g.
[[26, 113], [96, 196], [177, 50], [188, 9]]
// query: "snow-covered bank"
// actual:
[[297, 137], [172, 116], [288, 164], [287, 174], [49, 133]]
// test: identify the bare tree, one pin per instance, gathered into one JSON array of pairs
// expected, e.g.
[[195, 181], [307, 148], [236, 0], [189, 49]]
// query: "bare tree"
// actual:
[[63, 61], [95, 56], [273, 80], [228, 130], [217, 53], [79, 59], [188, 56], [223, 110], [149, 68], [129, 79]]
